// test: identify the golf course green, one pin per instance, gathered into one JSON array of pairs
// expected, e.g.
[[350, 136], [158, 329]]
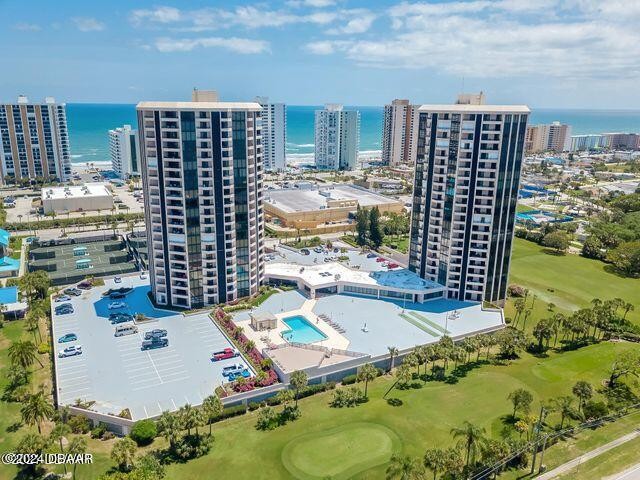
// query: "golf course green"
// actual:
[[340, 452]]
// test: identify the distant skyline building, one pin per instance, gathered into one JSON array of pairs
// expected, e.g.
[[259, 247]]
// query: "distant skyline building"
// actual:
[[34, 141], [202, 176], [467, 174], [399, 133], [124, 149], [621, 141], [554, 137], [337, 138], [274, 134], [586, 142]]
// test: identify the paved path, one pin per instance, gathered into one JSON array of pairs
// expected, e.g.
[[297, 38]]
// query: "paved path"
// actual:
[[564, 468]]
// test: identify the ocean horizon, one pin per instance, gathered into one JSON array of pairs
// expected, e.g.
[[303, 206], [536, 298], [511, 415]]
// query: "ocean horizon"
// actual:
[[89, 123]]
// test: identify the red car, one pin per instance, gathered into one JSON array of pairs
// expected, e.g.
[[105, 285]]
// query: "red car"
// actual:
[[224, 354], [380, 259], [392, 265]]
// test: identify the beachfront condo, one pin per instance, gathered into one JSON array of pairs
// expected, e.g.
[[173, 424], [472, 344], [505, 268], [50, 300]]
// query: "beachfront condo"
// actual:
[[34, 142], [551, 137], [467, 172], [399, 133], [274, 134], [337, 138], [203, 178], [124, 149]]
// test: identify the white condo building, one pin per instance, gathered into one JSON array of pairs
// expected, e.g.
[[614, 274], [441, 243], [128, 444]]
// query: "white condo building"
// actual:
[[555, 137], [337, 138], [467, 174], [124, 148], [274, 134], [202, 177], [399, 133], [34, 141]]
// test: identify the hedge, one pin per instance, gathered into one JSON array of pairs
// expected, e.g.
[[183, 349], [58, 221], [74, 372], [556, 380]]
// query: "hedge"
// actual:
[[143, 432], [69, 222]]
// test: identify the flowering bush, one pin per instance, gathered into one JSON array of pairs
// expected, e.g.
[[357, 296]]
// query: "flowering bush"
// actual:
[[253, 355]]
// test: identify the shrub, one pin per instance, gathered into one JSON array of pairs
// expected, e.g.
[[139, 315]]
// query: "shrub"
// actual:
[[347, 397], [143, 432], [594, 409], [516, 290], [79, 424], [232, 412], [99, 430], [267, 419], [349, 379], [44, 347], [108, 435], [253, 406]]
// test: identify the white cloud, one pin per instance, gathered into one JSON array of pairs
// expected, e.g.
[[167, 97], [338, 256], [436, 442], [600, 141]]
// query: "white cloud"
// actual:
[[502, 38], [159, 15], [88, 24], [311, 3], [360, 22], [27, 27], [234, 44], [208, 19]]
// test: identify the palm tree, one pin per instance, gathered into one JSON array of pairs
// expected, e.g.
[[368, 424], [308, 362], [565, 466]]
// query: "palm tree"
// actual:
[[628, 307], [189, 417], [434, 460], [404, 468], [123, 453], [60, 431], [298, 381], [564, 406], [31, 323], [212, 407], [471, 438], [367, 374], [36, 409], [169, 426], [584, 391], [23, 353], [393, 353]]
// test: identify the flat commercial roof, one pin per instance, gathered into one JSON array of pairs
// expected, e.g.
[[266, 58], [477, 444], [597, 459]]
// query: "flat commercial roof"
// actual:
[[76, 191], [327, 274], [253, 106], [465, 108], [308, 200]]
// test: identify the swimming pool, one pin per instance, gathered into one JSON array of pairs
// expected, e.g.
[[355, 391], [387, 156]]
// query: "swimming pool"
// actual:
[[8, 295], [301, 330]]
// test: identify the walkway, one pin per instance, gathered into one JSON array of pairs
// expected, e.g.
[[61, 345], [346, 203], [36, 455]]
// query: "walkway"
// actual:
[[631, 473], [564, 468]]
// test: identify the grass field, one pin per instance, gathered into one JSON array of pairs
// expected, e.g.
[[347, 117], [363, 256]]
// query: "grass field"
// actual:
[[609, 463], [569, 281]]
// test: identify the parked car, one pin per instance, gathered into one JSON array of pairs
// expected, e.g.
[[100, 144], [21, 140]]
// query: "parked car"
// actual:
[[155, 333], [85, 285], [126, 329], [243, 373], [76, 292], [116, 305], [143, 276], [62, 298], [117, 280], [67, 311], [234, 367], [69, 337], [224, 354], [392, 265], [70, 351], [380, 259], [30, 240], [305, 251], [116, 295], [116, 318], [371, 255], [155, 343]]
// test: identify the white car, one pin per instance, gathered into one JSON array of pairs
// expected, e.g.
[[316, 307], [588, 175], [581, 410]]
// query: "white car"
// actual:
[[70, 351], [116, 305]]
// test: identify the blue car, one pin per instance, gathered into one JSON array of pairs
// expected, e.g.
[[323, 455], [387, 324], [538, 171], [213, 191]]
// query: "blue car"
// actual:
[[69, 337]]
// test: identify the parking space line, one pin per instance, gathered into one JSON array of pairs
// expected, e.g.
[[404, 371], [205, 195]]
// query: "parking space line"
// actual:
[[174, 405]]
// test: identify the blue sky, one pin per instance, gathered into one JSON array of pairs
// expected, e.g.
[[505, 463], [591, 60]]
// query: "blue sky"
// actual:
[[546, 53]]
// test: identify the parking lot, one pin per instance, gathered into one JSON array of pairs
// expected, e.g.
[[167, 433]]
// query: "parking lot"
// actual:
[[116, 374]]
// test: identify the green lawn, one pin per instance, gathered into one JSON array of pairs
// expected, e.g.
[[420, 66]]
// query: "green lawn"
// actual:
[[521, 208], [400, 243], [16, 245], [568, 281]]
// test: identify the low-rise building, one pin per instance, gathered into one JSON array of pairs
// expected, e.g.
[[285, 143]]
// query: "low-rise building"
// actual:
[[77, 198], [313, 208]]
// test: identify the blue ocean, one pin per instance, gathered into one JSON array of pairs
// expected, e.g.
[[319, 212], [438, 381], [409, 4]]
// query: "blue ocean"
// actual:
[[89, 123]]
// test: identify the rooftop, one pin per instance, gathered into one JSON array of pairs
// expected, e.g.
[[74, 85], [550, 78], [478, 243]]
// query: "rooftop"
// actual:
[[252, 106], [327, 274], [299, 200], [73, 191], [471, 108]]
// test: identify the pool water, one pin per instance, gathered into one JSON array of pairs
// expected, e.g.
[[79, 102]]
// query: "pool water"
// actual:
[[301, 330], [8, 295]]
